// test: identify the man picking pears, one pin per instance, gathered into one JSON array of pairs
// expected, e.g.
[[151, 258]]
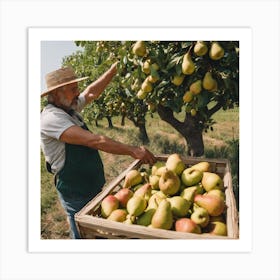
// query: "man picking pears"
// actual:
[[70, 149]]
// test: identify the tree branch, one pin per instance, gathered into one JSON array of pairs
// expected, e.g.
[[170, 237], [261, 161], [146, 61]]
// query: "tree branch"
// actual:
[[166, 114]]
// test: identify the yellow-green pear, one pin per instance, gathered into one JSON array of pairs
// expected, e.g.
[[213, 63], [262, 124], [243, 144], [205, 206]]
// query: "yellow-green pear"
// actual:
[[146, 67], [177, 80], [188, 66], [139, 48], [152, 79], [169, 182], [145, 191], [212, 181], [141, 94], [200, 48], [145, 218], [200, 216], [136, 205], [218, 193], [153, 203], [189, 193], [216, 52], [155, 199], [153, 180], [156, 166], [132, 178], [118, 215], [175, 163], [188, 96], [191, 176], [179, 206], [203, 166], [130, 219], [208, 82], [162, 217], [160, 171], [147, 86], [196, 87], [217, 228]]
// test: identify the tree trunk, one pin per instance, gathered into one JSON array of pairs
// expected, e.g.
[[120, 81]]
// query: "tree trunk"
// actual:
[[143, 133], [110, 123], [123, 120], [190, 129]]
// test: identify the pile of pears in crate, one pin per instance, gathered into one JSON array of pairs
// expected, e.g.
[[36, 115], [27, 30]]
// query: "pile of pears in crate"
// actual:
[[171, 196]]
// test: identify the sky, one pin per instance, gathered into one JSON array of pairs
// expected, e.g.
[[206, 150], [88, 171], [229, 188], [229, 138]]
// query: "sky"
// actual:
[[52, 53]]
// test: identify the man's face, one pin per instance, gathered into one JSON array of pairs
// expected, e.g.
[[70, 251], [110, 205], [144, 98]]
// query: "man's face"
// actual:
[[67, 96]]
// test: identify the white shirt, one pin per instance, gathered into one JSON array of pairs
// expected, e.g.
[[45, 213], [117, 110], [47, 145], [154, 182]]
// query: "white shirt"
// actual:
[[54, 121]]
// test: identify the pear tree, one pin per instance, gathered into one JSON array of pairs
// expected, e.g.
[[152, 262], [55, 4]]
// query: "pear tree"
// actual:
[[185, 82], [193, 78]]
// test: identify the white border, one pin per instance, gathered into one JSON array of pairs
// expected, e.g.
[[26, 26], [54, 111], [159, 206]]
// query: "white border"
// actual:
[[244, 35]]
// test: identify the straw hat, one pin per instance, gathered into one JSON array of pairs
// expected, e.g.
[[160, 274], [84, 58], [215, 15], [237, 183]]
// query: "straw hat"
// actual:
[[60, 78]]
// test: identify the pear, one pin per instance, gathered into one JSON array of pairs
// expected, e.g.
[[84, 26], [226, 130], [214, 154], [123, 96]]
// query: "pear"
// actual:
[[216, 52], [160, 171], [162, 217], [218, 193], [152, 204], [130, 219], [175, 163], [145, 219], [154, 180], [136, 205], [196, 87], [217, 228], [188, 96], [203, 166], [179, 206], [156, 166], [155, 199], [215, 87], [123, 195], [132, 178], [191, 176], [152, 79], [200, 216], [189, 193], [147, 86], [187, 65], [208, 82], [139, 48], [118, 215], [169, 182], [108, 205], [187, 225], [200, 48], [144, 191], [212, 181], [146, 67], [213, 204], [141, 94], [155, 66], [177, 80]]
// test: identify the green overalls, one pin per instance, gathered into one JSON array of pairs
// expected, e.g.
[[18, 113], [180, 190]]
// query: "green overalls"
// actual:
[[80, 179]]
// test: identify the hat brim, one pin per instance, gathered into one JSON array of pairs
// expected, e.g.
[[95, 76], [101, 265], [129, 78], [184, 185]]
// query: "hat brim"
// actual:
[[51, 89]]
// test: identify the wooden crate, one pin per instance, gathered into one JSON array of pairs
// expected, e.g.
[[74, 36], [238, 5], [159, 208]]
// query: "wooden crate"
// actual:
[[91, 225]]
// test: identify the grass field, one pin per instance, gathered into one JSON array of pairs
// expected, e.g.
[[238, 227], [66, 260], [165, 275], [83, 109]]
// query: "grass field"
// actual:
[[222, 142]]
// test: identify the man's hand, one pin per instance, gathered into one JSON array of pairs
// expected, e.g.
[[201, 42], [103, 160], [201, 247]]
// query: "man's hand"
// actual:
[[144, 154]]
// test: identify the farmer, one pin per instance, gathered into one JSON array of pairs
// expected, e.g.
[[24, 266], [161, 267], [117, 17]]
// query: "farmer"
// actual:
[[70, 149]]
